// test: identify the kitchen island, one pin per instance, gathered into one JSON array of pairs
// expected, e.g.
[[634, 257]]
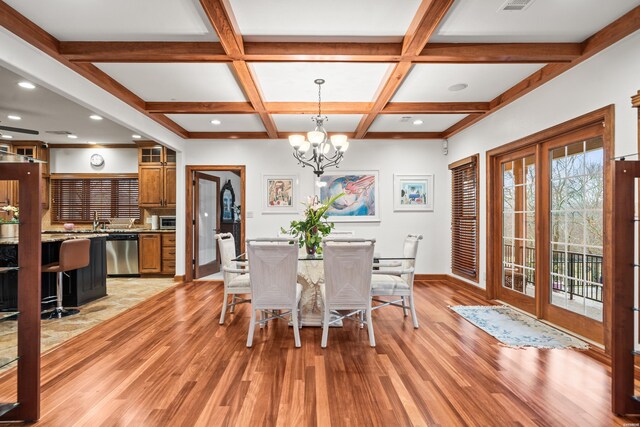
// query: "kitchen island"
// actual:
[[80, 286]]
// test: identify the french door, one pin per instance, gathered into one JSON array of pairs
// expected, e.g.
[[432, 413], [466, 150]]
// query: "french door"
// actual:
[[548, 230], [206, 224]]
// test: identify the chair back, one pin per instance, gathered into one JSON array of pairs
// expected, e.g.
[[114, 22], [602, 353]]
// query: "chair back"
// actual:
[[274, 272], [410, 250], [74, 254], [347, 272], [227, 250]]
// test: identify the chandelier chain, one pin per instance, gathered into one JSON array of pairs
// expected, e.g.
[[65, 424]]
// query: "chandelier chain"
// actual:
[[319, 100]]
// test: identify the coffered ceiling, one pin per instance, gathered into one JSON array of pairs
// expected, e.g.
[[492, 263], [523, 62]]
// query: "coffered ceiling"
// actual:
[[391, 66]]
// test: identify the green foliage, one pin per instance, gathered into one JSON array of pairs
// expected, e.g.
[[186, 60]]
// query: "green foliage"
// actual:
[[315, 225]]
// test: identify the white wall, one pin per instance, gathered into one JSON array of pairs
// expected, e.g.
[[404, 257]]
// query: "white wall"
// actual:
[[389, 157], [76, 160], [610, 77]]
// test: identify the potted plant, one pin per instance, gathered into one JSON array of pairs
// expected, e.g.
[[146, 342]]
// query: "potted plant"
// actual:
[[314, 226], [9, 227]]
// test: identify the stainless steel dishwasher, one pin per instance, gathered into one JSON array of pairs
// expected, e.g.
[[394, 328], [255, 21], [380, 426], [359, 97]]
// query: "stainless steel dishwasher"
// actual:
[[122, 255]]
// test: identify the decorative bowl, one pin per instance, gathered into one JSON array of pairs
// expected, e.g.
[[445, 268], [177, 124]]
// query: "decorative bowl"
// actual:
[[69, 226]]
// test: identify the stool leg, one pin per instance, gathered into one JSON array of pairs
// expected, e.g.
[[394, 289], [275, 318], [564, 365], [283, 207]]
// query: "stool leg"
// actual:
[[59, 312]]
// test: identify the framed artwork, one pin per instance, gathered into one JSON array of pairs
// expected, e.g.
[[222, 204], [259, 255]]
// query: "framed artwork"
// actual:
[[412, 192], [280, 193], [228, 200], [360, 202]]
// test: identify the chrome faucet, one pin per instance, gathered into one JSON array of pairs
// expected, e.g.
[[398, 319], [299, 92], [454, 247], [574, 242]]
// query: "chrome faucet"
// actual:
[[96, 220]]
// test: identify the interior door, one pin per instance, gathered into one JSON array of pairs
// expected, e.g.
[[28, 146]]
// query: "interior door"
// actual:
[[206, 224], [517, 182]]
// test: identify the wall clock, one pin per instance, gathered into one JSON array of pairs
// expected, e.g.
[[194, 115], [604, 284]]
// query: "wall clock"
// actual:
[[97, 160]]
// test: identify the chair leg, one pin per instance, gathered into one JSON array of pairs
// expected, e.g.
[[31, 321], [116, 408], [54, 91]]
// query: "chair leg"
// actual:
[[252, 328], [262, 317], [325, 328], [296, 329], [372, 338], [413, 311], [404, 307], [224, 307], [233, 303]]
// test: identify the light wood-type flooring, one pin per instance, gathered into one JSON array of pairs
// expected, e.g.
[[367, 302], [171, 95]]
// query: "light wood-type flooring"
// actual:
[[167, 362]]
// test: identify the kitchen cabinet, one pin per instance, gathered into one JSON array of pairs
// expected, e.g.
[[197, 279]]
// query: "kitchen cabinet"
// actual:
[[150, 253], [156, 177], [36, 150], [169, 253]]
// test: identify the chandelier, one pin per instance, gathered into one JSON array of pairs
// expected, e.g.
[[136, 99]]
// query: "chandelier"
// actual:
[[325, 151]]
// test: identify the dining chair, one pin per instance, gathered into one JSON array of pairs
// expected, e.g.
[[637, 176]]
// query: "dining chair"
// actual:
[[274, 284], [235, 273], [395, 279], [347, 282]]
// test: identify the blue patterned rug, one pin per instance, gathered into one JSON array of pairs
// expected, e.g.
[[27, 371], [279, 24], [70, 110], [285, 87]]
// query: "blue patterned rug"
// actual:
[[515, 329]]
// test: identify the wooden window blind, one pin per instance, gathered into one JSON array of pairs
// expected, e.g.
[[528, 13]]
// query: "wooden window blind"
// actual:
[[76, 199], [464, 217]]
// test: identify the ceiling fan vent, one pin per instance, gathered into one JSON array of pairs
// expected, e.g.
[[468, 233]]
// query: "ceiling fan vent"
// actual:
[[58, 132], [515, 5]]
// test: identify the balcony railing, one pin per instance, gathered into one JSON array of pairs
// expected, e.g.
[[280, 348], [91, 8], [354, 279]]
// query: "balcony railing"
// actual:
[[575, 273]]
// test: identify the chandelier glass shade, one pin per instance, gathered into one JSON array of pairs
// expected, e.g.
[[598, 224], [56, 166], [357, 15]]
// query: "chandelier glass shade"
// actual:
[[317, 150]]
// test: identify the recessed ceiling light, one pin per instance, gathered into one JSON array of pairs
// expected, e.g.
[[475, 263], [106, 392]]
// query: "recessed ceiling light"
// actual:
[[14, 117], [27, 85], [7, 136], [95, 117], [216, 122], [72, 136], [134, 136], [458, 87], [91, 142], [418, 122]]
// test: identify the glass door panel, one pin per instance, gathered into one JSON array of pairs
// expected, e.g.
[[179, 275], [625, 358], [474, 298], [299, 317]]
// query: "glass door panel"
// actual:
[[519, 225], [207, 224], [576, 232]]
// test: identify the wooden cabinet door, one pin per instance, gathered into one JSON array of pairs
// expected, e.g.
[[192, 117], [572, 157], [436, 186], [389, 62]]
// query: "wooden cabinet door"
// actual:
[[150, 186], [169, 186], [150, 253]]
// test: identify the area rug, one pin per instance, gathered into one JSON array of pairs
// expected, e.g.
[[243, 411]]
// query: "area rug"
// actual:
[[515, 329]]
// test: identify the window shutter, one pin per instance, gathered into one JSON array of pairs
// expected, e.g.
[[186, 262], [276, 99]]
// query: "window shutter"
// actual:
[[75, 199], [464, 218]]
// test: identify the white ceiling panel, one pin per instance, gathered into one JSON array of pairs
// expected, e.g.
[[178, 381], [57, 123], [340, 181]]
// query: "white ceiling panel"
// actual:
[[43, 110], [335, 20], [119, 20], [431, 82], [177, 81], [404, 123], [228, 122], [479, 21], [303, 122], [345, 82]]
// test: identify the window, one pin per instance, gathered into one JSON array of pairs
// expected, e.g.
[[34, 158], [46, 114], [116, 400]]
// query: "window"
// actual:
[[76, 199], [464, 217]]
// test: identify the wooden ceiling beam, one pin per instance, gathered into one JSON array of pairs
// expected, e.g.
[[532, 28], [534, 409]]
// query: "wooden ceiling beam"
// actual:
[[612, 33], [251, 89], [284, 135], [219, 14], [143, 52], [322, 51], [434, 107], [499, 52], [200, 108], [424, 23]]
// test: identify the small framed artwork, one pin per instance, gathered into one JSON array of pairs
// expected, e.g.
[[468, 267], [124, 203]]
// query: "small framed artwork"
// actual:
[[412, 192], [279, 194], [361, 195]]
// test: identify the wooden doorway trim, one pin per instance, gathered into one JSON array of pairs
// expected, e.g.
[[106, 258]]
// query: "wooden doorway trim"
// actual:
[[603, 115], [189, 196]]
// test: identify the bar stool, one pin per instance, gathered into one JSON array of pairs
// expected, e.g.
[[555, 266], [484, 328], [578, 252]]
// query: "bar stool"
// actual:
[[74, 254]]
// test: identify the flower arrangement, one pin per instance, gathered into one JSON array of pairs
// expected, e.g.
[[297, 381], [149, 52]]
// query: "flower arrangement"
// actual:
[[15, 213], [314, 226]]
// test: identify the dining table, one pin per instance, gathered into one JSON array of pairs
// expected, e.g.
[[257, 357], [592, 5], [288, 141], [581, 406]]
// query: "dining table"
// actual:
[[311, 277]]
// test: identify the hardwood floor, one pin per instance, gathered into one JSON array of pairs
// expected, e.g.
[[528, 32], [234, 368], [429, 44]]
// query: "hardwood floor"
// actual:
[[168, 362]]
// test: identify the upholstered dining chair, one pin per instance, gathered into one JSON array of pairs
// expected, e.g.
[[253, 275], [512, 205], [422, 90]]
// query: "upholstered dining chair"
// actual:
[[395, 279], [236, 275], [274, 283], [347, 282]]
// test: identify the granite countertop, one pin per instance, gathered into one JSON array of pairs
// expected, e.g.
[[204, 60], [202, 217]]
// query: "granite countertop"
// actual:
[[50, 238], [108, 231]]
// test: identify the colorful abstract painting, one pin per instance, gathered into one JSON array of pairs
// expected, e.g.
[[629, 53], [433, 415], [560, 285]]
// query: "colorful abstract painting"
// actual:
[[279, 193], [413, 192], [360, 202]]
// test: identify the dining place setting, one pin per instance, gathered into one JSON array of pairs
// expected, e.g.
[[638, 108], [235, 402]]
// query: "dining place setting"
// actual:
[[312, 275]]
